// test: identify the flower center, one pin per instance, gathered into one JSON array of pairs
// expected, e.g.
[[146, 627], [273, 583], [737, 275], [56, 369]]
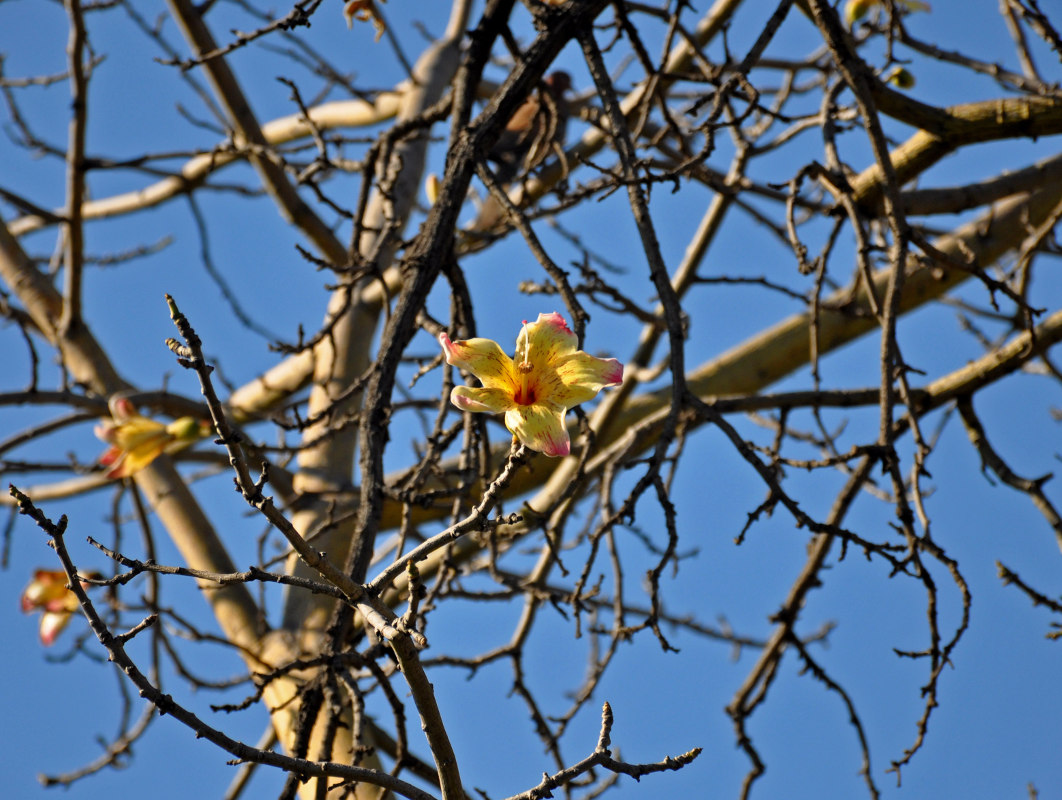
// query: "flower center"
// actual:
[[525, 384]]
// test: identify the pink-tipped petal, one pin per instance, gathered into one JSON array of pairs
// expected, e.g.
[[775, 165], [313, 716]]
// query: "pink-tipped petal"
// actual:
[[483, 358], [582, 376], [52, 625], [112, 455], [106, 431], [543, 341], [555, 322], [540, 428], [135, 460], [492, 401]]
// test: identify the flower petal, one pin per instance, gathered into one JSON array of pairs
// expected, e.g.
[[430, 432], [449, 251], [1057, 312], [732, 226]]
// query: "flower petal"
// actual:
[[543, 341], [112, 455], [139, 457], [541, 428], [581, 376], [52, 624], [139, 432], [106, 430], [484, 358], [493, 401]]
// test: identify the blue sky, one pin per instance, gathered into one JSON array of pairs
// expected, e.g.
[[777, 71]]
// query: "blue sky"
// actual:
[[997, 727]]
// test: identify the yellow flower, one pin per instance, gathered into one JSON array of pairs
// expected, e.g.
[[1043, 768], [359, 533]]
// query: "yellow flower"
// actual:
[[548, 377], [136, 441], [857, 9], [48, 592]]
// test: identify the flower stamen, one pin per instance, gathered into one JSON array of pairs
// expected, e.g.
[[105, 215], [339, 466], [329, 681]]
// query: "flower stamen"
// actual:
[[525, 392], [525, 365]]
